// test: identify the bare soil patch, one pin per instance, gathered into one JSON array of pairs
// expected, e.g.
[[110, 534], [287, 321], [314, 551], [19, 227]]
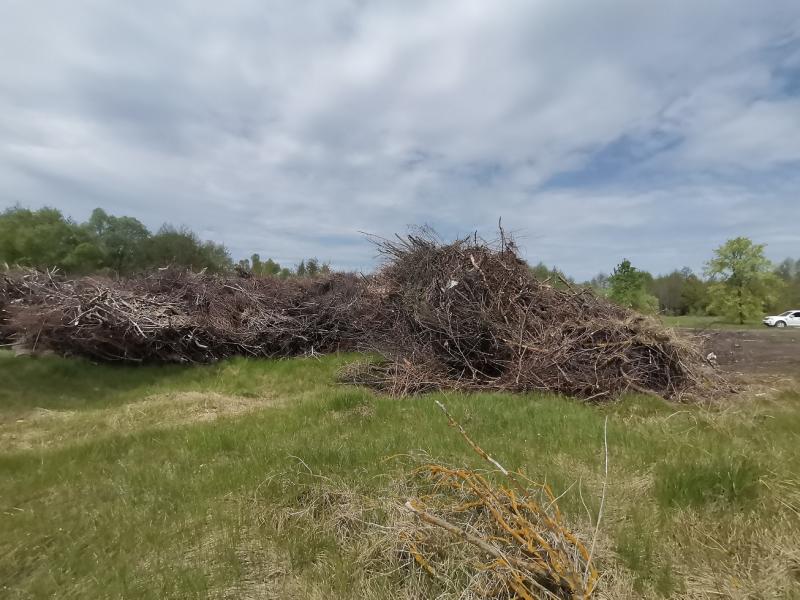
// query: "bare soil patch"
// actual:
[[760, 352]]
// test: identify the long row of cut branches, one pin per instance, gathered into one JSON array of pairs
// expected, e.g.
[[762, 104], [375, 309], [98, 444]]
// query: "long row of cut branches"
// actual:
[[466, 315], [178, 316]]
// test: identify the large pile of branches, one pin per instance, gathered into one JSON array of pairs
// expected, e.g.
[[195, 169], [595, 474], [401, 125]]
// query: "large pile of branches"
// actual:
[[179, 316], [469, 315], [10, 293], [466, 315]]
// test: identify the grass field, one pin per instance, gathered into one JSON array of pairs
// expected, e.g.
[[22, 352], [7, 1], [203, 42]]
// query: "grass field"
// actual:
[[704, 322], [193, 482]]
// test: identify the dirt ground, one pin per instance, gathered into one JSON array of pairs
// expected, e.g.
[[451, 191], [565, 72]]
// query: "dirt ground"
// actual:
[[757, 351]]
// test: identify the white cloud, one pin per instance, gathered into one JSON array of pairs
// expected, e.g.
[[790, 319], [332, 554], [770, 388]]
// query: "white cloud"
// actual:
[[287, 127], [761, 135]]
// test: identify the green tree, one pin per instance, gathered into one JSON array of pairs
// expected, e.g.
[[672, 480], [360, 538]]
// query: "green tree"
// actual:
[[599, 283], [42, 238], [787, 270], [86, 257], [628, 288], [680, 292], [271, 268], [255, 264], [694, 296], [182, 247], [312, 267], [267, 268], [540, 271], [669, 291], [788, 296], [121, 240], [553, 277], [742, 280], [215, 257], [301, 269]]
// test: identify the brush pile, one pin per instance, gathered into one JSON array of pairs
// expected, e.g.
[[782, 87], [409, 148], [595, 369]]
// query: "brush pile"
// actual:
[[176, 316], [12, 293], [469, 315]]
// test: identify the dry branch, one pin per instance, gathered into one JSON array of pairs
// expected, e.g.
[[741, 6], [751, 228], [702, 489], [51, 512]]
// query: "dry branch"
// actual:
[[525, 549]]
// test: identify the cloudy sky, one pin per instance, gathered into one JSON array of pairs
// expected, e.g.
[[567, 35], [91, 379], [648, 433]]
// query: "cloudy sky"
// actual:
[[596, 130]]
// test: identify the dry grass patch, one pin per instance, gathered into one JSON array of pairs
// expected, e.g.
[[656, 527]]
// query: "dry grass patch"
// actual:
[[447, 532], [46, 428]]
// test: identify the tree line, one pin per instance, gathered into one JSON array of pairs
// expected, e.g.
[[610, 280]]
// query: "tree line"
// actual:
[[113, 245], [738, 283], [269, 268]]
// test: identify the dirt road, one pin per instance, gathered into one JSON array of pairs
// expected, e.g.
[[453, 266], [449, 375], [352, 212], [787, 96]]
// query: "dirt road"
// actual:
[[758, 351]]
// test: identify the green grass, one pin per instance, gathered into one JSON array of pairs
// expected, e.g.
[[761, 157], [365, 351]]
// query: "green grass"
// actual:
[[721, 479], [703, 322], [187, 482]]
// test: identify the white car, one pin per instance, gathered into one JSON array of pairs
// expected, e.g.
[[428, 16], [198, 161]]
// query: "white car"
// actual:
[[791, 318]]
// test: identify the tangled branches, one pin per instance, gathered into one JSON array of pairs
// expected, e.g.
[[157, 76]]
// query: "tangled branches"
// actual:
[[176, 316], [517, 526], [15, 293], [470, 316], [467, 315]]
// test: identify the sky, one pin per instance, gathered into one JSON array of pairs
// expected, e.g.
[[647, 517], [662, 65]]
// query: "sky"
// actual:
[[596, 130]]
